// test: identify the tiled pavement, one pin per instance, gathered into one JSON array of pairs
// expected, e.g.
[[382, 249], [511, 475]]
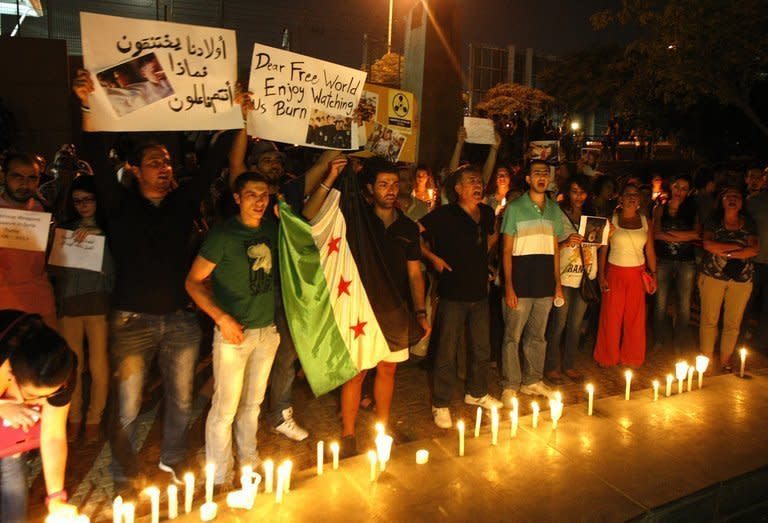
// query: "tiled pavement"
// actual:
[[89, 481]]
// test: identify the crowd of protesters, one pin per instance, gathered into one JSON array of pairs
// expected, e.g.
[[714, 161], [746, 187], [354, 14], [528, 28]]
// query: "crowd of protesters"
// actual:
[[488, 259]]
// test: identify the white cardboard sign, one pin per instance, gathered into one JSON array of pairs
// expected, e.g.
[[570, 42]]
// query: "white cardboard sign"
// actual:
[[66, 252], [24, 230]]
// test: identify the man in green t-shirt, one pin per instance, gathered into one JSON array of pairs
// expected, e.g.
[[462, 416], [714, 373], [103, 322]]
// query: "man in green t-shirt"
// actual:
[[240, 257]]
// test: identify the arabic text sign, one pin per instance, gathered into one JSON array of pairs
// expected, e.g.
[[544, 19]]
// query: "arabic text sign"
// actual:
[[160, 76], [24, 230], [302, 100], [66, 252], [480, 130]]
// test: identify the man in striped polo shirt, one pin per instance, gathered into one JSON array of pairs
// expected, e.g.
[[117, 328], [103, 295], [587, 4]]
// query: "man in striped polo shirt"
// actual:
[[531, 226]]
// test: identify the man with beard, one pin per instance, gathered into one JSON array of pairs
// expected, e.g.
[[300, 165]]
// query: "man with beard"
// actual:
[[460, 236], [531, 261], [24, 283]]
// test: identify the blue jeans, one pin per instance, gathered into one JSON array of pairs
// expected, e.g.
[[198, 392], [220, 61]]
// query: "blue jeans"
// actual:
[[13, 489], [567, 318], [529, 322], [681, 274], [453, 321], [136, 339], [283, 373]]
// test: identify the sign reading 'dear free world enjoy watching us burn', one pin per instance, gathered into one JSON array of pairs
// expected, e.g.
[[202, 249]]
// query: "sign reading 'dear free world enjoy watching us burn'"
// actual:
[[160, 76], [302, 100]]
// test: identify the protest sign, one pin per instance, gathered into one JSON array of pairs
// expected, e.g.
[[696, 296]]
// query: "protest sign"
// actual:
[[66, 252], [594, 230], [160, 76], [480, 130], [389, 115], [545, 150], [24, 230], [301, 100]]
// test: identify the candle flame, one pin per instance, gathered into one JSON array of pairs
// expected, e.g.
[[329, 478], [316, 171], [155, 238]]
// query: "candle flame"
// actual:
[[590, 388], [702, 362]]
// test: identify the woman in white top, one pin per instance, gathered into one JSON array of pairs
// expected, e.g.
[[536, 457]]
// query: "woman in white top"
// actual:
[[622, 265]]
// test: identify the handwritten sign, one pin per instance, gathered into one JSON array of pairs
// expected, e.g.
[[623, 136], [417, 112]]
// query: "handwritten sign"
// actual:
[[160, 76], [66, 252], [302, 100], [24, 230], [480, 130]]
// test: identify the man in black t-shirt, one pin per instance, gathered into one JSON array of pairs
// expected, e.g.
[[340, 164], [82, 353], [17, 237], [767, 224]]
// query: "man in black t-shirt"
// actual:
[[460, 235]]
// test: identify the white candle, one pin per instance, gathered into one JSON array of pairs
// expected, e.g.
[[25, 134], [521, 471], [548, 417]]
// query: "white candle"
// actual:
[[668, 391], [372, 460], [210, 469], [379, 428], [555, 411], [320, 457], [189, 491], [335, 454], [269, 475], [154, 501], [681, 371], [743, 358], [173, 501], [628, 378], [422, 457], [383, 449], [288, 464], [702, 362], [246, 479], [129, 512], [590, 398], [280, 484], [690, 378], [117, 510], [478, 420], [239, 499], [535, 408], [655, 390], [460, 426], [208, 511], [494, 426], [515, 417]]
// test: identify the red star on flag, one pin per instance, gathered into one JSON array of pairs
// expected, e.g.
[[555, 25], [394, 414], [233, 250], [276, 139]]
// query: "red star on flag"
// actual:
[[333, 245], [359, 328], [344, 286]]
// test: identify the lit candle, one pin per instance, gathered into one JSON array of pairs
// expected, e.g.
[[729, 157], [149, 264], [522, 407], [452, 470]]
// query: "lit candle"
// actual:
[[208, 511], [383, 449], [320, 452], [590, 398], [460, 426], [372, 460], [269, 475], [154, 501], [422, 457], [535, 408], [246, 479], [628, 378], [515, 417], [173, 501], [668, 391], [117, 510], [288, 464], [379, 428], [478, 420], [189, 491], [239, 499], [210, 469], [280, 484], [335, 454], [656, 390], [555, 411], [690, 378], [129, 512], [681, 371], [743, 357], [702, 362], [494, 426]]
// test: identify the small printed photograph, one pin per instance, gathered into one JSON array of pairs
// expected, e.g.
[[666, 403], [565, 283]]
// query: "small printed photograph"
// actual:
[[546, 150], [135, 84], [366, 109], [385, 142], [594, 229], [333, 131]]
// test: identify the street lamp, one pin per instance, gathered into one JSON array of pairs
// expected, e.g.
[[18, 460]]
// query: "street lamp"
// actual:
[[575, 126]]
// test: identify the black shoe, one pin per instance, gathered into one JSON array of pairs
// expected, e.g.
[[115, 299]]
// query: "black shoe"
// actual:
[[175, 471], [348, 447]]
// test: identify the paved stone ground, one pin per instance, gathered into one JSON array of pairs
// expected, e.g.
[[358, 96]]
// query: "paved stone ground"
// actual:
[[89, 481]]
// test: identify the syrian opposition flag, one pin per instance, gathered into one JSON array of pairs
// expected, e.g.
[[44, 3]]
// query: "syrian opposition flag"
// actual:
[[343, 309]]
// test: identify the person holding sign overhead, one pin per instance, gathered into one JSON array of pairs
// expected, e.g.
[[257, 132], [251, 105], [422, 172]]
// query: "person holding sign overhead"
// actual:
[[24, 283]]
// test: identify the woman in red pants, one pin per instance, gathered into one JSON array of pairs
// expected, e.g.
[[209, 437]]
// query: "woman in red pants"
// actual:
[[621, 334]]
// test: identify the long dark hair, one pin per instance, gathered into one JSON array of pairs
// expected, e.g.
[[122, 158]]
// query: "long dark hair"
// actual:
[[585, 185], [87, 184], [718, 212], [38, 355]]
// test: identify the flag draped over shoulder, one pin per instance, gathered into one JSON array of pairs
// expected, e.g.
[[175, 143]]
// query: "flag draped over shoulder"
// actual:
[[343, 310]]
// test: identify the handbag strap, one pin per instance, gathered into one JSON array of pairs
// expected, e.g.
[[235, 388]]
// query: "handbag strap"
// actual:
[[581, 248]]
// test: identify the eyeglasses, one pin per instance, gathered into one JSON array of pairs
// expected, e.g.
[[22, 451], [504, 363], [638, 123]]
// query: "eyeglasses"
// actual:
[[83, 201]]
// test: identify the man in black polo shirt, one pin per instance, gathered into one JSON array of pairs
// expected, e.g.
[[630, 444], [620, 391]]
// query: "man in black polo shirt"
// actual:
[[460, 235]]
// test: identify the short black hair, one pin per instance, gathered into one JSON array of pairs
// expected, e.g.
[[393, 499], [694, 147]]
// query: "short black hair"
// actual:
[[136, 155], [682, 176], [23, 158], [249, 176], [534, 161], [375, 166]]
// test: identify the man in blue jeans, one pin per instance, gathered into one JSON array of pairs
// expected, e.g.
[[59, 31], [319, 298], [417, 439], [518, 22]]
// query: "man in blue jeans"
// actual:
[[531, 260], [149, 229]]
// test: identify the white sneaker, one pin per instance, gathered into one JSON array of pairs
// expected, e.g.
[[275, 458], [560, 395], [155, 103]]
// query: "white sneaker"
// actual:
[[442, 417], [506, 397], [487, 401], [537, 389], [289, 428]]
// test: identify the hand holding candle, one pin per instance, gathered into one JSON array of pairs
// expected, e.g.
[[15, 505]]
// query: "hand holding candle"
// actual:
[[590, 398], [702, 362]]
